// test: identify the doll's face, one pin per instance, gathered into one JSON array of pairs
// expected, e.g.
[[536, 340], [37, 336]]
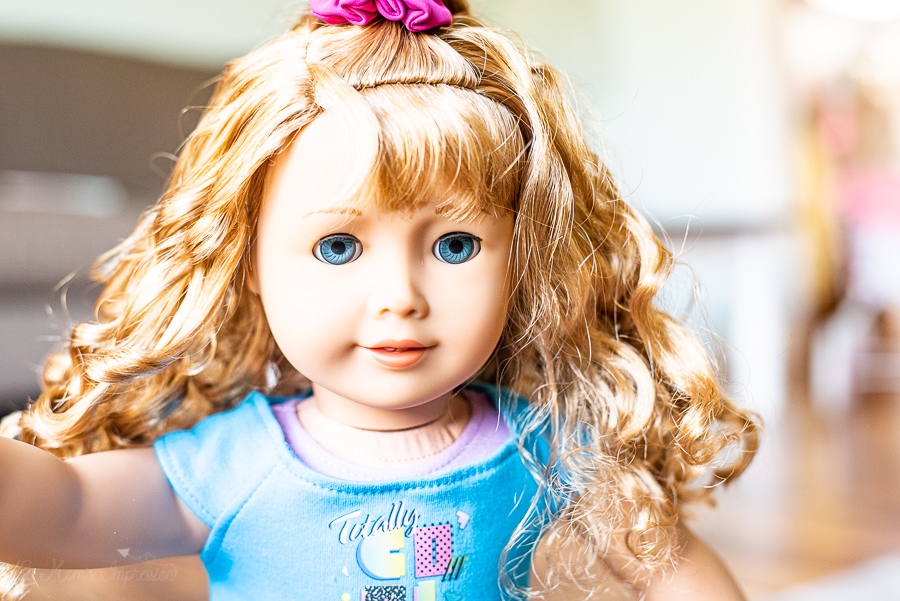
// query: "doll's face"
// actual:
[[384, 312]]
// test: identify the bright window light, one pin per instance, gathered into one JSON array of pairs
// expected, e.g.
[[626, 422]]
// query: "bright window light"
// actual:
[[861, 10]]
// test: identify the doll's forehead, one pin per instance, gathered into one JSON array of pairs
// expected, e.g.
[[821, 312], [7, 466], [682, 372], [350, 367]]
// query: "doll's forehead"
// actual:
[[326, 144]]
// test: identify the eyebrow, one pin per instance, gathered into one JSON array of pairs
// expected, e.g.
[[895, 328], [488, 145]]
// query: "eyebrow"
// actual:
[[335, 211], [468, 216]]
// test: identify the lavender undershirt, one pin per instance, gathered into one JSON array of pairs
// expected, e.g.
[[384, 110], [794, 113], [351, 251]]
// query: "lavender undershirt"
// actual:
[[485, 432]]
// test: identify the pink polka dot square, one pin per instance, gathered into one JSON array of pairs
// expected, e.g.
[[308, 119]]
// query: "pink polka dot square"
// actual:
[[434, 550]]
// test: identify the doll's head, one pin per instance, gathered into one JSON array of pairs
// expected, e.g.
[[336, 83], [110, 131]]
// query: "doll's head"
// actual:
[[459, 114], [386, 309], [461, 121]]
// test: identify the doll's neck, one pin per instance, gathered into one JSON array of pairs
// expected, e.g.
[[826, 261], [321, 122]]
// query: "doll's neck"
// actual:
[[366, 416], [376, 448]]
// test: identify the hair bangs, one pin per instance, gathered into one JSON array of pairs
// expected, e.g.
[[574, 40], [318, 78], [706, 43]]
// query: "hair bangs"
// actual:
[[444, 143]]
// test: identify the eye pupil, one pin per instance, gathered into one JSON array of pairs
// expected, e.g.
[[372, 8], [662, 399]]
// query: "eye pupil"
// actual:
[[338, 247], [456, 246]]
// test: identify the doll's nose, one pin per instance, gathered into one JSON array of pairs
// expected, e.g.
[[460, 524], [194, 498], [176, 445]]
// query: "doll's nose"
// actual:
[[396, 291]]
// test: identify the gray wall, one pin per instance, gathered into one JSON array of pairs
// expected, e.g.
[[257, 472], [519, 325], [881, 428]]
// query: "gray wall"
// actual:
[[103, 126]]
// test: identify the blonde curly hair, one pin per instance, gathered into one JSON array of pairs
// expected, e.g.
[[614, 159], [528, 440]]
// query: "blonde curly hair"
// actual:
[[638, 420]]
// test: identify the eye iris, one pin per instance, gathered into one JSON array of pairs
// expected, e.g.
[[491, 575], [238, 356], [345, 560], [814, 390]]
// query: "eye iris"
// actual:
[[338, 249], [456, 248]]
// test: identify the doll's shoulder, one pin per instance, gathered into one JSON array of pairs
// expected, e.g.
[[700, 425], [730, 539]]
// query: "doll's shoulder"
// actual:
[[238, 445], [241, 428]]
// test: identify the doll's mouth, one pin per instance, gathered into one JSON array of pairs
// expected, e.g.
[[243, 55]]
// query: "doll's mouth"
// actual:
[[397, 353]]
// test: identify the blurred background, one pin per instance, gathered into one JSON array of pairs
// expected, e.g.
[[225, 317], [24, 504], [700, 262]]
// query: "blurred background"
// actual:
[[762, 136]]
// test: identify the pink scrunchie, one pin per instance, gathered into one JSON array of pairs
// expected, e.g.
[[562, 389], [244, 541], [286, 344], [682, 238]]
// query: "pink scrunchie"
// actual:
[[417, 15]]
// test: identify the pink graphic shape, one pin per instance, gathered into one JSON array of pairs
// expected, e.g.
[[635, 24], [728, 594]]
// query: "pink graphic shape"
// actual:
[[434, 550]]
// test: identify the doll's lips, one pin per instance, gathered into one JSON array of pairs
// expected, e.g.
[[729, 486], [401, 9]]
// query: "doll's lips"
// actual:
[[397, 353]]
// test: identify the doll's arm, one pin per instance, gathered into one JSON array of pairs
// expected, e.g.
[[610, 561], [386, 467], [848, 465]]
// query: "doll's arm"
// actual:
[[172, 579], [699, 576], [96, 510]]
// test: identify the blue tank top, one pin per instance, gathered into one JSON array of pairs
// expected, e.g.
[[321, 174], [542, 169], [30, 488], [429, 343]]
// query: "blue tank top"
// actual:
[[279, 530]]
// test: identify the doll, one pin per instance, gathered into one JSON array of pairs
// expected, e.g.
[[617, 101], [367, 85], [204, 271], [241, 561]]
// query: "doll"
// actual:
[[390, 333]]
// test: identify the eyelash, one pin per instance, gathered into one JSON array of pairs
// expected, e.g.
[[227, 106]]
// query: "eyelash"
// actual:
[[453, 248]]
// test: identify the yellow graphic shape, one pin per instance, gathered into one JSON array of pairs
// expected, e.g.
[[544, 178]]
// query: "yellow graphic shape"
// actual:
[[379, 556], [426, 591]]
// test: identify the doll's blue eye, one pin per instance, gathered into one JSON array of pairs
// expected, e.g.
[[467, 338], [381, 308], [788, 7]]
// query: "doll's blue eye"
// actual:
[[337, 249], [456, 247]]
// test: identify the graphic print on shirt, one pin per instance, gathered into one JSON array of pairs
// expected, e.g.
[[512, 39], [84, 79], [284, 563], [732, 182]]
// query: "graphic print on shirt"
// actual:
[[384, 593], [434, 550], [409, 560]]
